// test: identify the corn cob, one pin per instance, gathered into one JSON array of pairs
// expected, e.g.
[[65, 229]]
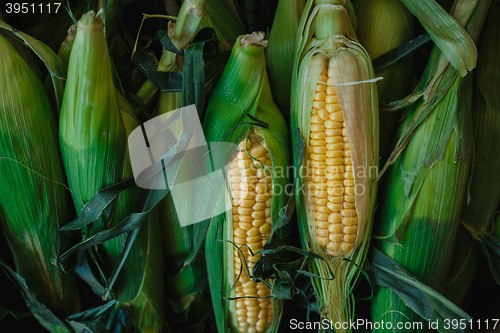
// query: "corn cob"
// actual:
[[32, 183], [332, 207], [424, 191], [253, 173], [279, 53], [426, 206], [252, 225], [92, 132], [95, 122], [334, 107], [374, 16], [478, 215]]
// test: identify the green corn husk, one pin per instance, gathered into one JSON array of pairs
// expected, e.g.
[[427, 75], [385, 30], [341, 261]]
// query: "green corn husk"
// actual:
[[279, 52], [63, 53], [225, 17], [168, 101], [186, 286], [144, 264], [374, 17], [187, 24], [47, 25], [182, 289], [243, 87], [32, 182], [140, 287], [478, 215], [92, 132], [422, 196], [447, 31], [189, 20], [326, 31], [66, 46], [95, 123], [425, 190]]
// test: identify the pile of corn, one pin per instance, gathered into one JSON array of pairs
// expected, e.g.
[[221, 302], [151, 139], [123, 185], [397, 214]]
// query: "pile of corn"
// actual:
[[357, 166]]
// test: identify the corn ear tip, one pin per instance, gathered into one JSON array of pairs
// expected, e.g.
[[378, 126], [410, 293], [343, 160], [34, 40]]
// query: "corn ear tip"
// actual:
[[91, 20], [72, 32], [171, 29], [255, 38]]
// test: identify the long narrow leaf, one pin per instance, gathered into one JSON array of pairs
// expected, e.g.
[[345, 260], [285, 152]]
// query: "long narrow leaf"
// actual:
[[448, 34], [53, 63], [393, 56], [44, 316], [422, 299]]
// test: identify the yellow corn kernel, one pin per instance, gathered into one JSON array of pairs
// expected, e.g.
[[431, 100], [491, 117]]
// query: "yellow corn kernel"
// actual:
[[252, 227], [336, 218]]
